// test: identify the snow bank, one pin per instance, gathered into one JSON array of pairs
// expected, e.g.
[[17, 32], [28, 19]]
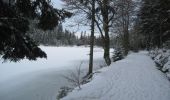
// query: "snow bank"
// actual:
[[162, 59], [133, 78]]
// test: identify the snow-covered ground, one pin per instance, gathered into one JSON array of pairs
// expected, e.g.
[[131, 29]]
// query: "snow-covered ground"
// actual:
[[134, 78], [41, 79]]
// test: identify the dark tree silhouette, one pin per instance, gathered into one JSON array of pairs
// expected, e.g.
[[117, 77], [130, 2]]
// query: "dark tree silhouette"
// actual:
[[14, 23]]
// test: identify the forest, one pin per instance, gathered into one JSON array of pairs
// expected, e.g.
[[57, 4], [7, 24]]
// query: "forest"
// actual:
[[124, 26], [128, 24]]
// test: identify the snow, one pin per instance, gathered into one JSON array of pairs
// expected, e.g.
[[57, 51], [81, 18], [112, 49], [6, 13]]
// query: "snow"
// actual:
[[42, 79], [167, 65], [134, 78], [162, 59]]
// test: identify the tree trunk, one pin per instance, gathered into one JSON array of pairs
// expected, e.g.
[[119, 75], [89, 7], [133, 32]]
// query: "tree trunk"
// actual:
[[160, 35], [126, 44], [107, 51], [125, 25], [92, 40], [105, 15]]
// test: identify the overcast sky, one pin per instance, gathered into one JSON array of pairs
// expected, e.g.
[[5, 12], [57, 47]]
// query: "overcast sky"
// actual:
[[57, 3], [69, 22]]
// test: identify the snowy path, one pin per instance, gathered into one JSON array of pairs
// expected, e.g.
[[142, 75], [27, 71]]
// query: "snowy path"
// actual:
[[42, 79], [134, 78]]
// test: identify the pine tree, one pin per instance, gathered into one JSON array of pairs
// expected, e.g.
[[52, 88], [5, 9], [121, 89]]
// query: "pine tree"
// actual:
[[154, 22], [117, 55], [15, 44]]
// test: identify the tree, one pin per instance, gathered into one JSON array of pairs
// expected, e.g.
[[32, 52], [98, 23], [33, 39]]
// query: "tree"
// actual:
[[56, 37], [15, 44], [123, 22], [86, 7], [92, 38], [154, 22], [105, 13]]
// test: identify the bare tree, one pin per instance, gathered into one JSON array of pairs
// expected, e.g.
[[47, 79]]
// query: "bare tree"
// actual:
[[105, 13], [86, 7], [75, 77], [123, 21], [92, 38]]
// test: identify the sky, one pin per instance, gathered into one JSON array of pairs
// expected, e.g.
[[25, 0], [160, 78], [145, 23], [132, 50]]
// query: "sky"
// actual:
[[57, 3], [70, 24]]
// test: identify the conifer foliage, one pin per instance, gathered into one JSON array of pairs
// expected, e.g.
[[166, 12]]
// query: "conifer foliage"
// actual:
[[117, 55], [15, 44], [154, 22]]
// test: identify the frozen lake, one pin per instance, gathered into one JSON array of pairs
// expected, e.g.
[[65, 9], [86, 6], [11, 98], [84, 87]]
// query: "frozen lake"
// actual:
[[41, 79]]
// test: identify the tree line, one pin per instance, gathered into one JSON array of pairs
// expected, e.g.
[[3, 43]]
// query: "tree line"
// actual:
[[134, 25], [60, 37], [122, 24], [153, 24]]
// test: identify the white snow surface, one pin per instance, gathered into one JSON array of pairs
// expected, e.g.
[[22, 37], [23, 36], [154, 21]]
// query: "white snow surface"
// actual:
[[42, 79], [134, 78]]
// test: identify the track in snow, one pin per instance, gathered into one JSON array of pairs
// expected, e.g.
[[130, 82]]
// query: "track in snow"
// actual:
[[134, 78]]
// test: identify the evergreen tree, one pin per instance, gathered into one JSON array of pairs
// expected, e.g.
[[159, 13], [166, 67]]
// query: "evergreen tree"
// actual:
[[154, 22], [117, 54], [15, 44]]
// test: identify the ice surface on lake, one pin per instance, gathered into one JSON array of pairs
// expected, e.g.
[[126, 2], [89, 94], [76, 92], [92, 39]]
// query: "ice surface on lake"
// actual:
[[41, 79]]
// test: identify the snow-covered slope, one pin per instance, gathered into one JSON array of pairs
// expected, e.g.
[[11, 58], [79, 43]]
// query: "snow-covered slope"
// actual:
[[134, 78]]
